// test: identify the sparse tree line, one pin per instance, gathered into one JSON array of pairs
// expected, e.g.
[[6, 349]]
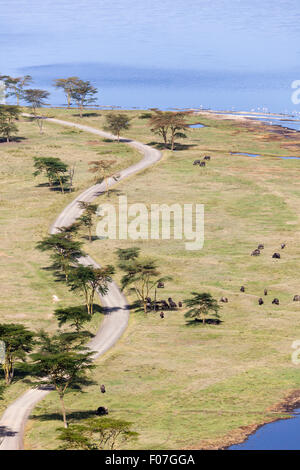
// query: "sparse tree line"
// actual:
[[168, 125]]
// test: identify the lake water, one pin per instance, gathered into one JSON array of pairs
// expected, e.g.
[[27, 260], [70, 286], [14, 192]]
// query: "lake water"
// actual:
[[280, 435], [175, 53]]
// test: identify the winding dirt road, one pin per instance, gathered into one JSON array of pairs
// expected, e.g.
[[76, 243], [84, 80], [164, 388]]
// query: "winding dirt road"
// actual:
[[13, 420]]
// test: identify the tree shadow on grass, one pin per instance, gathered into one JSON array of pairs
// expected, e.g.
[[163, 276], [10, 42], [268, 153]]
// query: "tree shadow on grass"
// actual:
[[73, 416], [13, 140], [87, 114], [6, 432], [177, 146], [208, 321]]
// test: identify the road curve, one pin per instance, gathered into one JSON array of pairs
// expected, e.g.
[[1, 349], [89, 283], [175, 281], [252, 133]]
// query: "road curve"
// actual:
[[13, 420]]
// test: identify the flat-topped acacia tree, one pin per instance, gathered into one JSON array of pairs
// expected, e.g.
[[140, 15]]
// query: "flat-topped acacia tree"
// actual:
[[15, 86], [83, 93], [88, 280], [8, 116], [55, 170], [36, 99], [66, 84], [141, 274], [18, 341], [201, 306], [64, 252], [61, 365], [169, 125], [87, 218], [117, 122]]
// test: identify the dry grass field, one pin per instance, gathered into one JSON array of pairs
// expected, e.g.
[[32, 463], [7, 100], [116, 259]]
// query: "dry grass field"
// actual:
[[180, 385]]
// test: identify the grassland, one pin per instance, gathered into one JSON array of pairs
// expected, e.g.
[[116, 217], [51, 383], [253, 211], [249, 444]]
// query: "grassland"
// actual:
[[28, 208], [186, 386]]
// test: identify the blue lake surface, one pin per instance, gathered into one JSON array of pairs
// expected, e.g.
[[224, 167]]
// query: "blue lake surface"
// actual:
[[175, 53], [280, 435]]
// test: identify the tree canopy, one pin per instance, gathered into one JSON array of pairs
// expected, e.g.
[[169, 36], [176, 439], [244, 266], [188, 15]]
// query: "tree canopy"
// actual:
[[116, 122], [201, 306]]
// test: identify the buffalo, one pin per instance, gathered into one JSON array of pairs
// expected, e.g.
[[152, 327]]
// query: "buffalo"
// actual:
[[275, 301], [101, 411], [162, 315], [296, 298], [202, 163], [102, 388], [283, 245], [255, 252], [179, 304], [224, 300], [260, 301], [197, 162], [160, 285], [261, 246], [265, 292], [242, 289], [207, 157], [276, 255]]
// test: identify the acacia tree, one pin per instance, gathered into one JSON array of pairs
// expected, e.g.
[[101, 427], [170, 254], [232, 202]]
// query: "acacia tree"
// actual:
[[76, 316], [142, 274], [55, 170], [88, 280], [8, 116], [36, 99], [168, 125], [87, 218], [115, 123], [97, 434], [125, 254], [102, 169], [18, 341], [202, 305], [60, 368], [16, 85], [66, 84], [83, 93], [64, 251]]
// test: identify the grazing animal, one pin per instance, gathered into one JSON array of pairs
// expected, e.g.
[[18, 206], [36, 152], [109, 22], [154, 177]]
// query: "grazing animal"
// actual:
[[165, 304], [224, 299], [102, 388], [260, 247], [207, 157], [162, 315], [255, 252], [148, 299], [265, 292], [242, 289], [283, 246], [202, 163], [179, 304], [172, 304], [196, 162], [276, 255], [160, 285], [101, 411], [275, 301], [296, 298], [260, 301]]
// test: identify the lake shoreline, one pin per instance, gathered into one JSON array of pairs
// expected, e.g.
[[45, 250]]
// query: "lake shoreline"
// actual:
[[239, 435]]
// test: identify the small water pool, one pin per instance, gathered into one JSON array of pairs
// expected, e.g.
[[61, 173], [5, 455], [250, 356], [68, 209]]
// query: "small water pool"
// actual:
[[196, 126]]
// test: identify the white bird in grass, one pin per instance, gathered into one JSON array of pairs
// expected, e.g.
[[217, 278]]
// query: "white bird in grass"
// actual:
[[55, 298]]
